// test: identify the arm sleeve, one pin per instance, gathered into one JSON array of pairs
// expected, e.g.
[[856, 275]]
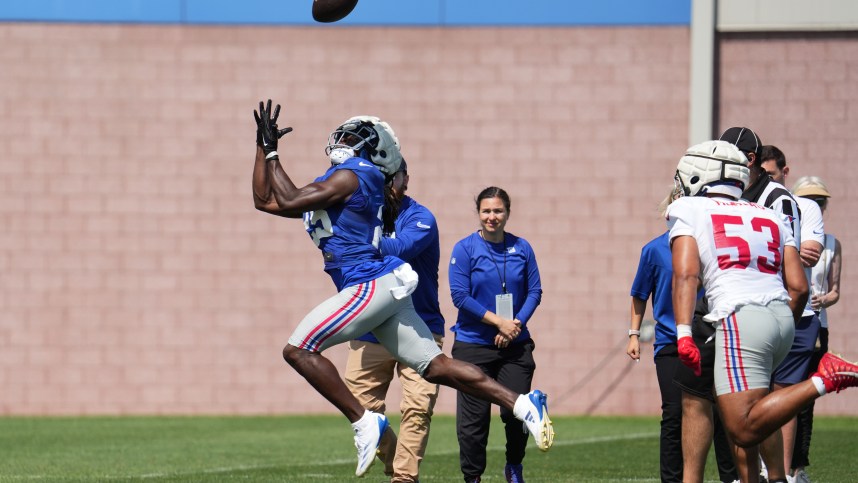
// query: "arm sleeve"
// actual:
[[679, 214], [459, 275], [415, 233], [534, 288], [786, 233], [812, 225], [788, 206], [642, 284]]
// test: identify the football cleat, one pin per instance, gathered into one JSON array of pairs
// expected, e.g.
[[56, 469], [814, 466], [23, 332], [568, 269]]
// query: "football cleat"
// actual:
[[536, 420], [837, 373], [512, 473], [801, 477], [368, 433]]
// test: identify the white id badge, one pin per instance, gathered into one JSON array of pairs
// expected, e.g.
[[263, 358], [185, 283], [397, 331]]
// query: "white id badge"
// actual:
[[503, 305]]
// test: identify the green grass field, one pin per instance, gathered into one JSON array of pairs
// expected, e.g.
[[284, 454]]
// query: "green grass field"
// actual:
[[319, 448]]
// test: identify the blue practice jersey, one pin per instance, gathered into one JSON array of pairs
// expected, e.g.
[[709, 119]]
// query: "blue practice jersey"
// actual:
[[415, 240], [349, 233], [476, 272], [654, 277]]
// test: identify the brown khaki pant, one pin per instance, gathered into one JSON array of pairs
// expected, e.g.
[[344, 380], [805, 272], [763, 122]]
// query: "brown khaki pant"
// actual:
[[369, 370]]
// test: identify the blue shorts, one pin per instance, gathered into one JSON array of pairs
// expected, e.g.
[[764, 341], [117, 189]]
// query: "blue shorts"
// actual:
[[796, 367]]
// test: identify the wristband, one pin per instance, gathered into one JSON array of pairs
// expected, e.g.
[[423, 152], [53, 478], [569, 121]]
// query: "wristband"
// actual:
[[683, 330], [272, 154], [634, 332]]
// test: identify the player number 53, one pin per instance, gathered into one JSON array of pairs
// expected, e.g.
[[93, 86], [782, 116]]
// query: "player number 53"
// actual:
[[767, 263]]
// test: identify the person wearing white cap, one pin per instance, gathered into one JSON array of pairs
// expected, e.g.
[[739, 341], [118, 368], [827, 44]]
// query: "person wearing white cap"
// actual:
[[824, 292]]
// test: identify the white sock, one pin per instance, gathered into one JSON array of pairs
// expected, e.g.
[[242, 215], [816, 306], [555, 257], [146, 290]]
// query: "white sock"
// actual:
[[363, 419], [820, 386], [522, 406]]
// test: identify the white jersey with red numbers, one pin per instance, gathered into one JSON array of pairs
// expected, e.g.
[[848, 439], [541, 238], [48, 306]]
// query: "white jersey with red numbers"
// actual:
[[741, 247]]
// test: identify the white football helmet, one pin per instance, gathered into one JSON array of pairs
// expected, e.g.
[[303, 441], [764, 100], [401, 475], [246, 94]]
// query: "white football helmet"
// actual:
[[710, 164], [372, 134]]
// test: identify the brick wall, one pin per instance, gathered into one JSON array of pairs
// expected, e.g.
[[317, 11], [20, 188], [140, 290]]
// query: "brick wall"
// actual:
[[136, 277]]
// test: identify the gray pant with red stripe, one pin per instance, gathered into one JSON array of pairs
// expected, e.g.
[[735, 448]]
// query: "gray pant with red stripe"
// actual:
[[369, 307], [749, 344]]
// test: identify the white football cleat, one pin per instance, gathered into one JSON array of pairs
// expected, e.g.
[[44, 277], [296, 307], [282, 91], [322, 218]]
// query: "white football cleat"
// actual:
[[536, 419], [368, 431]]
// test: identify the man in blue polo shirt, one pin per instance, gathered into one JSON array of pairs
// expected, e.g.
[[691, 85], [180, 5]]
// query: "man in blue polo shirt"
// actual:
[[653, 279]]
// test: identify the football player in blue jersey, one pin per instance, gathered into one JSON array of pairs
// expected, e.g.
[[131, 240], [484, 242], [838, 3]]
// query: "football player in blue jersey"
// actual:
[[342, 212], [370, 368]]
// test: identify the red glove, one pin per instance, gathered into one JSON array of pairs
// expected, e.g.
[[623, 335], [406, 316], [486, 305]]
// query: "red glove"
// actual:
[[689, 354]]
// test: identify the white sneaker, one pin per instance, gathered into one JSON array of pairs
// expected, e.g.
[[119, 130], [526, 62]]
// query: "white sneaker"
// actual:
[[801, 477], [368, 431], [532, 408]]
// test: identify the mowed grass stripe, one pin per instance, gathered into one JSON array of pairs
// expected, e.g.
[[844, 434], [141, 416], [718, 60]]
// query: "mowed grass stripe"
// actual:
[[319, 448]]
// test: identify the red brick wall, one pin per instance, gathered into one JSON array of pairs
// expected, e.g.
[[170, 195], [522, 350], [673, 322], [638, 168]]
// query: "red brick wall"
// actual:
[[136, 277]]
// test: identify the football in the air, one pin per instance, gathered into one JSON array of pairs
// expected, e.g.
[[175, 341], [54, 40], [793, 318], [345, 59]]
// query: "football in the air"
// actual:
[[327, 11]]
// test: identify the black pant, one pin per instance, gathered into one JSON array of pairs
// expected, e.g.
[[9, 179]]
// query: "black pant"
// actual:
[[804, 427], [512, 367], [723, 452], [703, 386], [666, 362]]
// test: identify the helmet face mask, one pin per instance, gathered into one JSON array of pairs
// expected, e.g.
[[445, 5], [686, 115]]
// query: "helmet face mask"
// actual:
[[711, 165], [352, 135], [679, 190], [369, 137]]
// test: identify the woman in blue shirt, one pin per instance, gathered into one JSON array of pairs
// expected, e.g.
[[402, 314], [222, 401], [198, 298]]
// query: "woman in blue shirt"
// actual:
[[494, 282]]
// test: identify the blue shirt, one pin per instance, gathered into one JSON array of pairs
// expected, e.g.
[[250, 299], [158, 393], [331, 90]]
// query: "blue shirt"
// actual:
[[476, 271], [415, 240], [349, 233], [655, 277]]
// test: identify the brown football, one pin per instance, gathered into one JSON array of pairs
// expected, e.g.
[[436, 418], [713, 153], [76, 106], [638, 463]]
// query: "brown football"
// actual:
[[327, 11]]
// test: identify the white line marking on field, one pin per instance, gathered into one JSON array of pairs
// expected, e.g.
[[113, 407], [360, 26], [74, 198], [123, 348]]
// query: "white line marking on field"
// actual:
[[228, 469]]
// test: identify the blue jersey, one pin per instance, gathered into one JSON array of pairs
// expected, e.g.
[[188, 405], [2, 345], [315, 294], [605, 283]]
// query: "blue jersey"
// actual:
[[415, 240], [477, 269], [348, 233], [654, 277]]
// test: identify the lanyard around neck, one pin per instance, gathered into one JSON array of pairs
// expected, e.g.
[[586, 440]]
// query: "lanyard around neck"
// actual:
[[492, 256]]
